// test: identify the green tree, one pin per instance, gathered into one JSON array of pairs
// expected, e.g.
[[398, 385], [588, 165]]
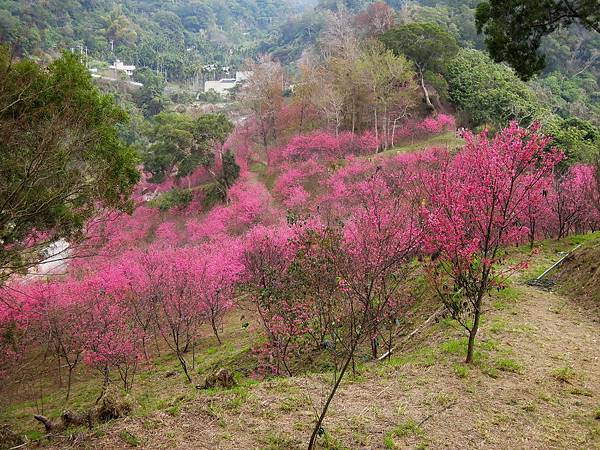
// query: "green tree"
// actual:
[[181, 143], [428, 45], [61, 157], [389, 80], [514, 28], [489, 93], [150, 97], [579, 139], [230, 171], [119, 28]]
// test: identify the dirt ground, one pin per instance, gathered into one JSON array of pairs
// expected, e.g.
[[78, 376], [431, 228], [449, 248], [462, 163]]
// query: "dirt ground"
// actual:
[[536, 385]]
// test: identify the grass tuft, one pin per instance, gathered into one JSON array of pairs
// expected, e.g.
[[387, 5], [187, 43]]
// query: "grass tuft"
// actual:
[[508, 365], [130, 438], [564, 374], [461, 370]]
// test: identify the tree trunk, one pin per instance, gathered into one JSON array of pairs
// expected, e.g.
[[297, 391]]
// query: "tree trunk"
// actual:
[[374, 347], [315, 433], [145, 349], [69, 380], [474, 329], [424, 89], [184, 366], [214, 327], [376, 127]]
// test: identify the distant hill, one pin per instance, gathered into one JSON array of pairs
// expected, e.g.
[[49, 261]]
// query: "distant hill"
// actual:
[[173, 37]]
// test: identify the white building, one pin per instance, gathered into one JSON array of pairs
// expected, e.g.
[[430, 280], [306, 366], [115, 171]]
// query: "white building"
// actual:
[[120, 67], [223, 85]]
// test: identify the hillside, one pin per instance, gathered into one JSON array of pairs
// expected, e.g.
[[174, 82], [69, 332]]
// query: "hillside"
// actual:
[[346, 247], [578, 275], [174, 37], [534, 385]]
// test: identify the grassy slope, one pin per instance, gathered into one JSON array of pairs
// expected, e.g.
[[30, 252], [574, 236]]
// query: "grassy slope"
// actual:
[[579, 275], [447, 140], [535, 384]]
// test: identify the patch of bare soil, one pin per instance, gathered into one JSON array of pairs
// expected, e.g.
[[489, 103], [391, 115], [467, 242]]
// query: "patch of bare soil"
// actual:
[[579, 275], [536, 387]]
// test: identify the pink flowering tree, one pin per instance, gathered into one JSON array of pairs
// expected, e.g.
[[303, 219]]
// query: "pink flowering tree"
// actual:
[[370, 257], [267, 255], [473, 212], [217, 269], [323, 146], [140, 271], [571, 201], [177, 312], [51, 313], [111, 340]]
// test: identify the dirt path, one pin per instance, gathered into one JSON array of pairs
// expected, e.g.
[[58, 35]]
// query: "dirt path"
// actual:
[[536, 386]]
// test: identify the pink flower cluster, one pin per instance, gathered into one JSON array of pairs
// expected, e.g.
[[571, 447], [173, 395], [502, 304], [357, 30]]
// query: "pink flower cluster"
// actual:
[[432, 125], [323, 146]]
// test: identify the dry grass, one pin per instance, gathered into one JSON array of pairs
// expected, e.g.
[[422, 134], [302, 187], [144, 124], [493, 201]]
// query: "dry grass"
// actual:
[[534, 385], [513, 397]]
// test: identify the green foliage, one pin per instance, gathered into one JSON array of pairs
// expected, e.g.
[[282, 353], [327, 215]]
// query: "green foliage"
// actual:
[[458, 17], [564, 374], [508, 365], [170, 37], [407, 427], [571, 95], [489, 93], [150, 98], [181, 143], [291, 38], [579, 139], [231, 170], [461, 370], [514, 28], [60, 155], [428, 45], [277, 441], [210, 97], [175, 198]]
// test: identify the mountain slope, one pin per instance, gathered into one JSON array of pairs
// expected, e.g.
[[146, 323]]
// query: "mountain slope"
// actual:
[[534, 386], [151, 33]]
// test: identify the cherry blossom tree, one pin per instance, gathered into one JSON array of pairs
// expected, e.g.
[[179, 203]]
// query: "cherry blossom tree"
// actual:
[[268, 253], [216, 271], [111, 340], [370, 256], [473, 212], [571, 201]]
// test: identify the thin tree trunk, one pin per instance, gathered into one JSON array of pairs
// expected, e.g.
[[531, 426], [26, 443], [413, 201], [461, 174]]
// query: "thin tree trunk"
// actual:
[[214, 327], [474, 329], [183, 365], [374, 347], [424, 89], [69, 379], [145, 349], [376, 128], [317, 428]]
